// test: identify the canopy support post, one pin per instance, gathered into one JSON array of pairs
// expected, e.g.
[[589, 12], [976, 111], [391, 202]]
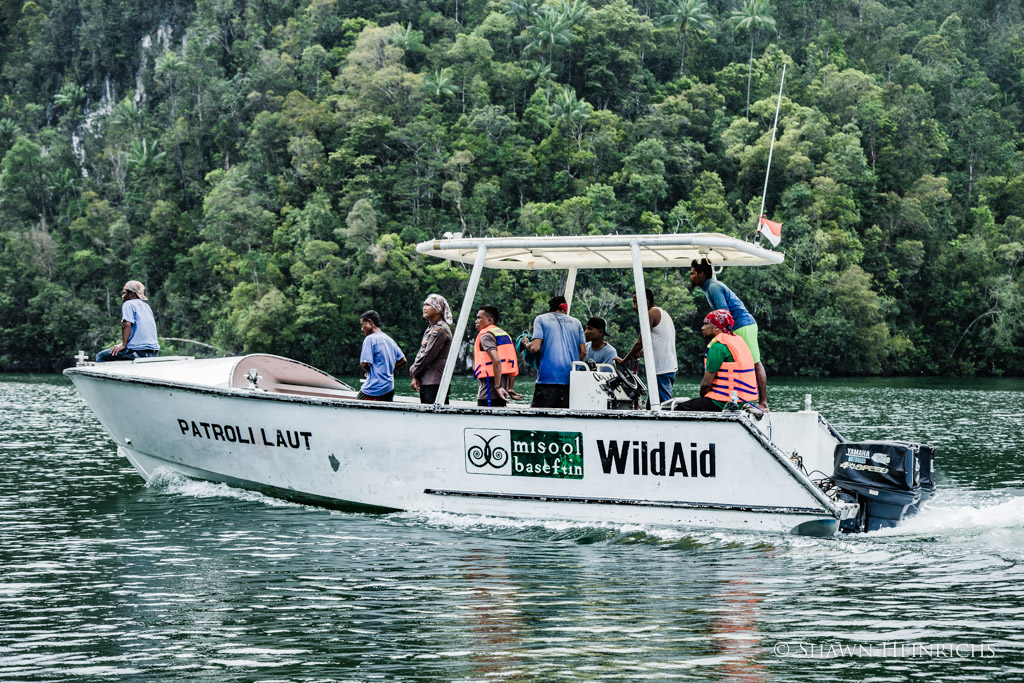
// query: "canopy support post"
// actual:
[[460, 327], [645, 327], [570, 285]]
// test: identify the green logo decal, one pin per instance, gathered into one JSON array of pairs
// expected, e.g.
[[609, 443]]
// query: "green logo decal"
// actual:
[[552, 455], [556, 455]]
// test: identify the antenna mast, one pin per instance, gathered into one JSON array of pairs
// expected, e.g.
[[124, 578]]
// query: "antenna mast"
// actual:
[[771, 148]]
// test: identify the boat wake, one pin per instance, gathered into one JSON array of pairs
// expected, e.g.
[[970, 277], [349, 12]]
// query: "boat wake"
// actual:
[[956, 513], [561, 531], [175, 483], [964, 512]]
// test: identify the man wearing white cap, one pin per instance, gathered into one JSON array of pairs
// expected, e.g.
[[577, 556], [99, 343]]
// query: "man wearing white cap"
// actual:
[[138, 327]]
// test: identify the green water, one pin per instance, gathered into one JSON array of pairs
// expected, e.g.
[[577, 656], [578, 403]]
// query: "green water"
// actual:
[[105, 578]]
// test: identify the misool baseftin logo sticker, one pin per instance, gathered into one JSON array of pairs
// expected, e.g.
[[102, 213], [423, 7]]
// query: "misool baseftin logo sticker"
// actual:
[[524, 453]]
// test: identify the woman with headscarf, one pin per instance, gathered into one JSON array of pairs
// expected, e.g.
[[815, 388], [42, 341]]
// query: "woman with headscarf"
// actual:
[[728, 367], [428, 367]]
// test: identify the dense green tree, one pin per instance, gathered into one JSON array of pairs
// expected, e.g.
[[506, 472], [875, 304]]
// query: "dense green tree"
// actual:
[[266, 168]]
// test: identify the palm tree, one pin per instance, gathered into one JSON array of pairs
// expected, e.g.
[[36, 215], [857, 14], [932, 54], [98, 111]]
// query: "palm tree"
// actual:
[[440, 83], [574, 112], [688, 14], [549, 29], [69, 98], [753, 15], [406, 37], [523, 10], [573, 12]]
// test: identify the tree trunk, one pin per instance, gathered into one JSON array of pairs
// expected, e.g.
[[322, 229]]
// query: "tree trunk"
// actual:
[[750, 68], [682, 56]]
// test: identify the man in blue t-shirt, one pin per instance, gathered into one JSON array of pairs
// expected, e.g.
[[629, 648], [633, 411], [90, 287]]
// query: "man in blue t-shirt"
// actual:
[[598, 350], [138, 327], [560, 340], [721, 297], [379, 357]]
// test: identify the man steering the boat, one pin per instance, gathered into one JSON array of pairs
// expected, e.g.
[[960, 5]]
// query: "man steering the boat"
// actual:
[[138, 327], [728, 367], [560, 340], [663, 339], [719, 296], [379, 358], [495, 363]]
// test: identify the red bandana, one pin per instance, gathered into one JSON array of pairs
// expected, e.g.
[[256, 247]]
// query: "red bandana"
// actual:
[[720, 319]]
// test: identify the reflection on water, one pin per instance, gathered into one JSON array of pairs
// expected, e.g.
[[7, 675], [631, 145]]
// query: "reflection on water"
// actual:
[[103, 577]]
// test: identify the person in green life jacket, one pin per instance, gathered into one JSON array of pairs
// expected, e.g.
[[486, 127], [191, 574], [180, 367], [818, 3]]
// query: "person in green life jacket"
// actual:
[[728, 367], [720, 296]]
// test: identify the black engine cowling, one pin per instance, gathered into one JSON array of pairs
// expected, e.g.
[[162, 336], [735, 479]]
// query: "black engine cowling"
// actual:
[[890, 480]]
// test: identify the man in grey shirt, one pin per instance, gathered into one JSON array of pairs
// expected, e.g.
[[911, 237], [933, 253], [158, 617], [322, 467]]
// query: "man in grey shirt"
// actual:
[[598, 350], [428, 367]]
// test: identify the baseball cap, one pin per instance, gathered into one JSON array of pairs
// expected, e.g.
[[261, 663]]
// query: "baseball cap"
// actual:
[[597, 324], [137, 287]]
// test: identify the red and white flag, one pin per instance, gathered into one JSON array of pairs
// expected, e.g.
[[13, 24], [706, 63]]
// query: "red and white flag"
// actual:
[[771, 230]]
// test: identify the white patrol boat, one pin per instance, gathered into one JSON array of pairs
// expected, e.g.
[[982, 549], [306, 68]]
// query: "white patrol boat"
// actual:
[[289, 430]]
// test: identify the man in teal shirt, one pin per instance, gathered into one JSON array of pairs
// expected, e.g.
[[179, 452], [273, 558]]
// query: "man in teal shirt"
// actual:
[[719, 296]]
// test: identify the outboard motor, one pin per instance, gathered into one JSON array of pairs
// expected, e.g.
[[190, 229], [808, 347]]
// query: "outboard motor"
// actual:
[[926, 460], [890, 479]]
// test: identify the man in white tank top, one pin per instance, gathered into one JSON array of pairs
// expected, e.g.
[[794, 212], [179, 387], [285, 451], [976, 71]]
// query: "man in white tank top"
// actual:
[[663, 339]]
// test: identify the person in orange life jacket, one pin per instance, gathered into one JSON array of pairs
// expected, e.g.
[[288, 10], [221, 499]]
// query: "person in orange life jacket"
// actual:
[[495, 364], [720, 296], [728, 367]]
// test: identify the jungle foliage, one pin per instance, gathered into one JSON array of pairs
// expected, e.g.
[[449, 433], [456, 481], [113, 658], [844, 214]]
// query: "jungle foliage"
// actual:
[[266, 168]]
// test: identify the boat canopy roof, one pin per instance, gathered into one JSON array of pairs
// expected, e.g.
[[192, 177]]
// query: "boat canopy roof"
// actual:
[[601, 251]]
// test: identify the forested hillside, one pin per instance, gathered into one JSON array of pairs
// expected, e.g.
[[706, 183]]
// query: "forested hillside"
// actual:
[[267, 167]]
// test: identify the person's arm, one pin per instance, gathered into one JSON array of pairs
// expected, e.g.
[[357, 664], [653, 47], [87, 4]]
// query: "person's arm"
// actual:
[[633, 352], [717, 354], [533, 346], [400, 363], [653, 317], [426, 358], [126, 334], [583, 351], [496, 364], [705, 383], [366, 355]]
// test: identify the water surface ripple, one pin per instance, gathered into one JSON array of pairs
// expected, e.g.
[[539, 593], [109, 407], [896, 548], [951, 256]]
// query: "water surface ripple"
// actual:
[[105, 578]]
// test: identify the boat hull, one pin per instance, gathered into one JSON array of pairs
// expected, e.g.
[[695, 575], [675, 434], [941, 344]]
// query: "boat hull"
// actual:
[[591, 467]]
